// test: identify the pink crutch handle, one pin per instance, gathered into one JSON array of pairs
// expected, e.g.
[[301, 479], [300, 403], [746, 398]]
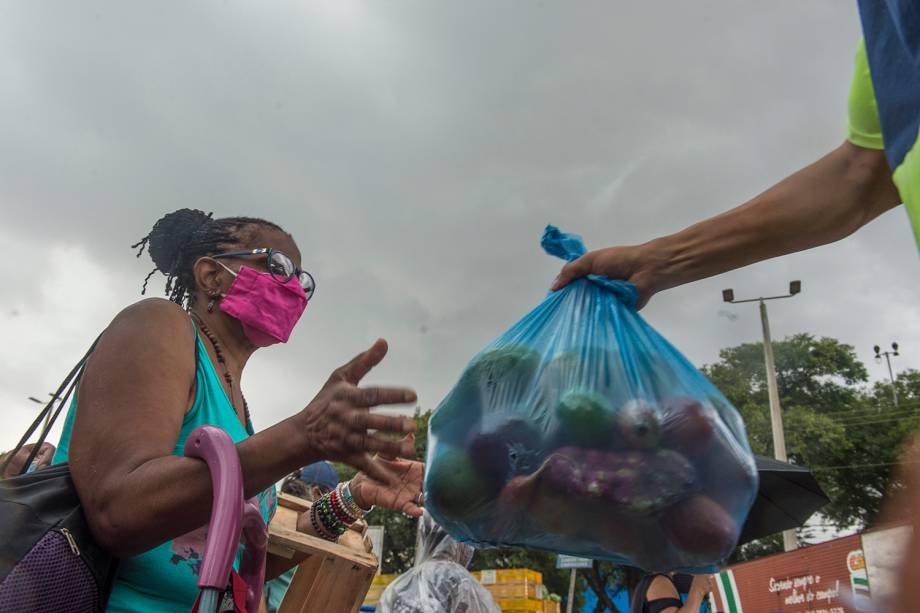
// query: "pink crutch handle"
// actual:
[[252, 565], [216, 448]]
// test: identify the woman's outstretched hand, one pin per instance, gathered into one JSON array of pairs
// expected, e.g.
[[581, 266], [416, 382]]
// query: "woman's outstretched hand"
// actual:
[[338, 423], [403, 495]]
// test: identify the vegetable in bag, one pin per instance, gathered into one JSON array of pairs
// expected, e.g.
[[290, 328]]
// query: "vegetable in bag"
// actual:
[[581, 430]]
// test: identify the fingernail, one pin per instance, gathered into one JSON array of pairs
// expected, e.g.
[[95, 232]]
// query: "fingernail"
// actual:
[[555, 284]]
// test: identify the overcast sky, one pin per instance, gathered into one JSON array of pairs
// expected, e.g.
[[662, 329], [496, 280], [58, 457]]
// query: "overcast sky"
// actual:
[[415, 150]]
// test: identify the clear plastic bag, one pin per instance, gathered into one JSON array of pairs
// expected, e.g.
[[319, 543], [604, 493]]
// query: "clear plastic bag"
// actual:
[[439, 582], [581, 430]]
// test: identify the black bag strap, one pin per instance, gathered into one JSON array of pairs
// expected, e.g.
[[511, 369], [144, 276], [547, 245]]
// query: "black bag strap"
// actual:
[[69, 384], [660, 604], [640, 602]]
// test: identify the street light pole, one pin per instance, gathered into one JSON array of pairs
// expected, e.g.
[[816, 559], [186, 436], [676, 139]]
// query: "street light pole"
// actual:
[[776, 416], [888, 355], [48, 416], [570, 602]]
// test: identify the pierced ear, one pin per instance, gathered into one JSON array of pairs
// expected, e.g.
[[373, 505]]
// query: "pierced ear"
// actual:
[[209, 276]]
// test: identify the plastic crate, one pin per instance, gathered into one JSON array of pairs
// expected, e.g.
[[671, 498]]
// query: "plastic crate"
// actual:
[[510, 591], [383, 580], [520, 605], [508, 575], [551, 606], [375, 591]]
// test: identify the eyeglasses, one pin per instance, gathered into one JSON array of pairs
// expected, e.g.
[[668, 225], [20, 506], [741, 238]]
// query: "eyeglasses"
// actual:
[[280, 266]]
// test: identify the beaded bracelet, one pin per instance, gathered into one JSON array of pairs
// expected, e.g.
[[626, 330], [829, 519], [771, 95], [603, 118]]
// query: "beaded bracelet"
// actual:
[[318, 527], [346, 494], [328, 517], [343, 497], [324, 520], [341, 513]]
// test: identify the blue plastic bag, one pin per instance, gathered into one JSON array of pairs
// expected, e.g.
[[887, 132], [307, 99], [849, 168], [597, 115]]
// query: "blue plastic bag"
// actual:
[[582, 431]]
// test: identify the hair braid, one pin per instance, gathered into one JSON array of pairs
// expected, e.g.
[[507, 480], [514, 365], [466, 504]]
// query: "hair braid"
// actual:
[[180, 238]]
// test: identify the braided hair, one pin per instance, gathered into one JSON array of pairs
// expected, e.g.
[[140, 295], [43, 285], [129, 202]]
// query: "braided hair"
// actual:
[[180, 238]]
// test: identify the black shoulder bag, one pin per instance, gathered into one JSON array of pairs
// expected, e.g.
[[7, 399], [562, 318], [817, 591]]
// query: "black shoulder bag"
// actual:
[[49, 561]]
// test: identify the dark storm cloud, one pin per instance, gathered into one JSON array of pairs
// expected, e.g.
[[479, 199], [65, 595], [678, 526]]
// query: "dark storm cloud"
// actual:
[[416, 150]]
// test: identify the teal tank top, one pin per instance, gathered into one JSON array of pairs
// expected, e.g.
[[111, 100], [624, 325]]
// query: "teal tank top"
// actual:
[[165, 578]]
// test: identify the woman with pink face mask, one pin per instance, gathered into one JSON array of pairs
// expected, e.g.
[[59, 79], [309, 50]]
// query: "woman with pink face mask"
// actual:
[[164, 367]]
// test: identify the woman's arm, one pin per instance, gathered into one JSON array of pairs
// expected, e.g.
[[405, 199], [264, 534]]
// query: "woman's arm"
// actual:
[[42, 458], [699, 590], [822, 203], [132, 400]]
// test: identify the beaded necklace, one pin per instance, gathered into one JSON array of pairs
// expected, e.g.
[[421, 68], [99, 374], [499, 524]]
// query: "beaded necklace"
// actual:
[[212, 338]]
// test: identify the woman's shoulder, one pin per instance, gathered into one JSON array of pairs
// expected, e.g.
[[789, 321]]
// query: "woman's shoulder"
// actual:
[[158, 310], [662, 586], [154, 323]]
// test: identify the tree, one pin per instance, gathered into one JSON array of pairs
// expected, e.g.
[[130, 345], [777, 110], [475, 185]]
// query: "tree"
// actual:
[[878, 434], [848, 434]]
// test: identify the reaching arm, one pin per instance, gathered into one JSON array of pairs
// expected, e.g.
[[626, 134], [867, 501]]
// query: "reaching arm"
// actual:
[[819, 204]]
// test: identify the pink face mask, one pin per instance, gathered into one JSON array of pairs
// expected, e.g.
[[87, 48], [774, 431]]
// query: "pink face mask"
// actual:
[[267, 309]]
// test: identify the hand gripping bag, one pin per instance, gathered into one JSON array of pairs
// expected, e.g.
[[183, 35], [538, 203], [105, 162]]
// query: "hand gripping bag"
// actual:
[[582, 431]]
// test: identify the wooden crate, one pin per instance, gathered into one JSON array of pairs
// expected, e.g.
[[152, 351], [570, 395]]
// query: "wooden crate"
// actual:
[[334, 578]]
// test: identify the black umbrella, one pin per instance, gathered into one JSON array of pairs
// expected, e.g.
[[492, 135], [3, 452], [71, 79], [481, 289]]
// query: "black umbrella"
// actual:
[[788, 495]]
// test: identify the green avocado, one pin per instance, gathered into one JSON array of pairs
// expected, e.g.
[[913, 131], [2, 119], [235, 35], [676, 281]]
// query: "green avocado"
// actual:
[[504, 374], [455, 487], [585, 419], [459, 413], [596, 368], [494, 380], [560, 374]]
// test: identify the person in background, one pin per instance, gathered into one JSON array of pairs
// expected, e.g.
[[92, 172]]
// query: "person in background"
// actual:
[[660, 593], [439, 582], [311, 483], [42, 459]]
